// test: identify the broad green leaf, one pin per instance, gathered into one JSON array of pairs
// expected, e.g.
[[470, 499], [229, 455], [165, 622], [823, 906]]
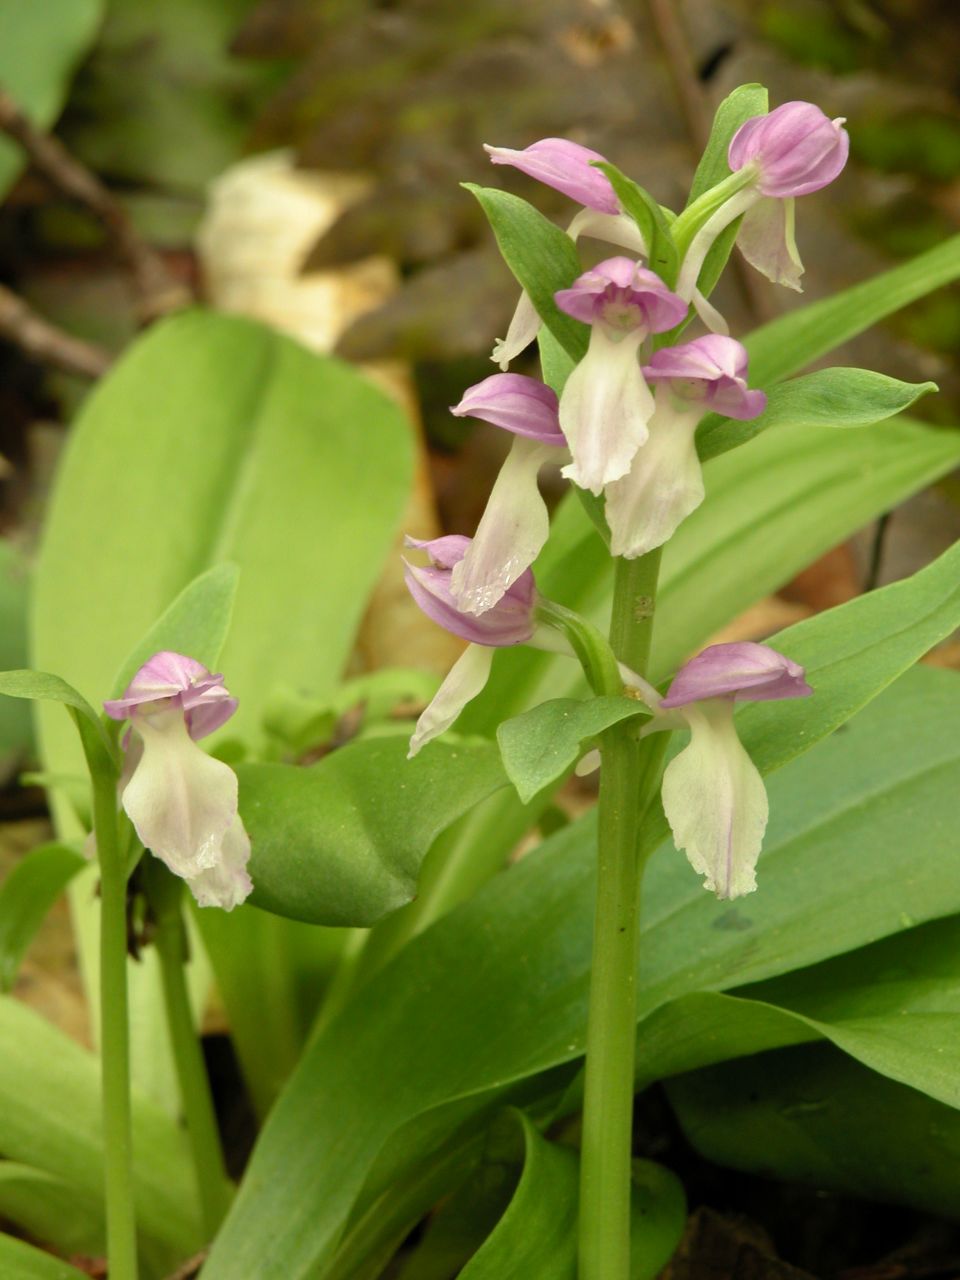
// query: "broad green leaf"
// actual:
[[745, 102], [542, 258], [341, 843], [21, 1261], [545, 742], [649, 217], [195, 624], [536, 1239], [787, 344], [49, 1209], [50, 1118], [452, 1012], [40, 46], [827, 398], [235, 445], [26, 895], [811, 1115]]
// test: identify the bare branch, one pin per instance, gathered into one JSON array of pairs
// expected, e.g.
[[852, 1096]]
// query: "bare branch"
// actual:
[[45, 342], [157, 291]]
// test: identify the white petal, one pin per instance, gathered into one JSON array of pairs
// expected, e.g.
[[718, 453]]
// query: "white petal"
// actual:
[[588, 764], [604, 410], [180, 800], [709, 314], [466, 678], [226, 884], [664, 484], [703, 241], [524, 327], [715, 802], [511, 532], [766, 239], [615, 228]]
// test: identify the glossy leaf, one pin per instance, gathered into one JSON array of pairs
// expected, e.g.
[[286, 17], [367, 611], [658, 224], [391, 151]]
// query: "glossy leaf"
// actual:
[[195, 624], [827, 398], [341, 843], [746, 101], [451, 1014], [40, 47], [26, 895], [545, 742], [542, 258], [40, 686]]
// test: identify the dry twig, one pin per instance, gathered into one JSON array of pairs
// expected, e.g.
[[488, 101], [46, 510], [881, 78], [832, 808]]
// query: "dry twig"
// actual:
[[45, 342]]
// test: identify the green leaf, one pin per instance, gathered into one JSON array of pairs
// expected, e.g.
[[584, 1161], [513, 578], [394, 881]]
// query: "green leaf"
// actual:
[[794, 340], [545, 742], [16, 734], [453, 1013], [775, 505], [810, 1115], [341, 843], [50, 1118], [745, 102], [40, 46], [26, 895], [49, 1209], [649, 217], [21, 1261], [40, 686], [195, 624], [536, 1239], [827, 398], [542, 258]]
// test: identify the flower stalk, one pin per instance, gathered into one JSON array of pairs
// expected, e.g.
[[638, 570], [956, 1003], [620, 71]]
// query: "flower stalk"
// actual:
[[114, 1036], [629, 776]]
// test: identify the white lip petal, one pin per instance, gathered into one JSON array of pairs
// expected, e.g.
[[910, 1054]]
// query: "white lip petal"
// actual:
[[523, 328], [664, 484], [180, 800], [514, 527], [226, 884], [604, 410], [464, 681], [715, 802]]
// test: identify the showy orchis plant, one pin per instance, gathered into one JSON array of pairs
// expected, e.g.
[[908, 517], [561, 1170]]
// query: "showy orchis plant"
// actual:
[[623, 423]]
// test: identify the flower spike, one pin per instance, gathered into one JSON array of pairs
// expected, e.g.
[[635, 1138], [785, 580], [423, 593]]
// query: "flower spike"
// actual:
[[713, 795], [182, 802]]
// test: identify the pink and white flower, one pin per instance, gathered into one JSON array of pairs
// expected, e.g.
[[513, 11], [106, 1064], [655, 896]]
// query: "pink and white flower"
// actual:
[[182, 802]]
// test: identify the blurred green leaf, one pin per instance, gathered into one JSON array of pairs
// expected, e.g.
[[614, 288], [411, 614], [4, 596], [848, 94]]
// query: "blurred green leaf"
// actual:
[[49, 1209], [21, 1261], [40, 47], [341, 843], [26, 895], [826, 398], [16, 734]]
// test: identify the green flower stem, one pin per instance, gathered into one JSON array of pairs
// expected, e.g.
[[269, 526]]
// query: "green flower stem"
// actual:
[[605, 1184], [213, 1186], [114, 1035]]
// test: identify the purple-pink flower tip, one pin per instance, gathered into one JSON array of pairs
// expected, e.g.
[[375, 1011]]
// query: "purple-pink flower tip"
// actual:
[[510, 621], [711, 370], [180, 682], [797, 149], [743, 670], [622, 295], [566, 166], [516, 403]]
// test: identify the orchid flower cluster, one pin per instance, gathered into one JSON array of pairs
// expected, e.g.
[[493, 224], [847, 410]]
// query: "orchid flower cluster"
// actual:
[[624, 427]]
